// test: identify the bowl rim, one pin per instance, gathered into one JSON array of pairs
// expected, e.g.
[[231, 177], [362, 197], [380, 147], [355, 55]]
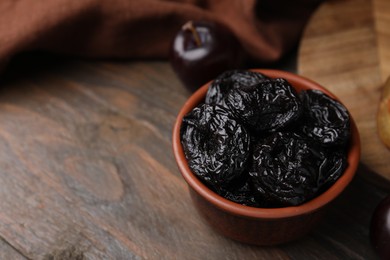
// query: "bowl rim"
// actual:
[[265, 213]]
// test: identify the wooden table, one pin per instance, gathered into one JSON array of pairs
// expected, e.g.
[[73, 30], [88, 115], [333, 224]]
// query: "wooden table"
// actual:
[[346, 48], [86, 170]]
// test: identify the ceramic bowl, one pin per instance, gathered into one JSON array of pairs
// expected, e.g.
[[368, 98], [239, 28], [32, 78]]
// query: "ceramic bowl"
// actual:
[[261, 226]]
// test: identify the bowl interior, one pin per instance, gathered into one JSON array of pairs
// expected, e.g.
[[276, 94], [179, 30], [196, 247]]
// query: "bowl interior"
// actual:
[[299, 83]]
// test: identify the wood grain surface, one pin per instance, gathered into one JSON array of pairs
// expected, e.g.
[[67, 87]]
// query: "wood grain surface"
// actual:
[[346, 48], [381, 17], [87, 172], [8, 252]]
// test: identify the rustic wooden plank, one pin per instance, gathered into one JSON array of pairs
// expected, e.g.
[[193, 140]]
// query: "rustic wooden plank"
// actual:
[[93, 173], [382, 29], [88, 146], [8, 252], [340, 50]]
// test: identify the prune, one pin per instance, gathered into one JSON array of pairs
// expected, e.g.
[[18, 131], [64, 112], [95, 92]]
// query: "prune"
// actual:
[[240, 191], [325, 120], [380, 229], [232, 79], [201, 50], [331, 168], [279, 105], [216, 146], [256, 142], [288, 169], [261, 104]]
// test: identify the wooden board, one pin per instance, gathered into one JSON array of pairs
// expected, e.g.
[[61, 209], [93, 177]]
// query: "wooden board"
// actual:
[[346, 48], [87, 172], [8, 252]]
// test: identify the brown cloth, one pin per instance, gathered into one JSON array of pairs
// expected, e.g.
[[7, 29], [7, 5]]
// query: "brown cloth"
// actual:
[[144, 28]]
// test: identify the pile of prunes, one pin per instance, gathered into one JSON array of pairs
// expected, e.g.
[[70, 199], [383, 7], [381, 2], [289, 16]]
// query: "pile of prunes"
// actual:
[[258, 142]]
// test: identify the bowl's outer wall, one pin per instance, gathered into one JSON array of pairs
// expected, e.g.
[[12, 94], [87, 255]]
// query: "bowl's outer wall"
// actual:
[[254, 225], [262, 232]]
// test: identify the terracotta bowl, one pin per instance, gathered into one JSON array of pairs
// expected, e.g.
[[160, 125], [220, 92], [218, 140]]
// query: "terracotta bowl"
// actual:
[[261, 226]]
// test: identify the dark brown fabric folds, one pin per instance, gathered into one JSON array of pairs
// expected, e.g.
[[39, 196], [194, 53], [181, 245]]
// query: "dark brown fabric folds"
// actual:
[[144, 28]]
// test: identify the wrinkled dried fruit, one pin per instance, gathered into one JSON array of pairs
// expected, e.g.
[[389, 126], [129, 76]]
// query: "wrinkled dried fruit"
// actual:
[[232, 79], [278, 105], [241, 192], [260, 103], [256, 142], [289, 169], [383, 117], [325, 120], [216, 145]]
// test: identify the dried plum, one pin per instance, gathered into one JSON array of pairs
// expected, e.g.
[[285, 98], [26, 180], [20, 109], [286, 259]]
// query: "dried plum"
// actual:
[[260, 103], [331, 168], [288, 169], [240, 191], [232, 79], [216, 145], [245, 105], [256, 142], [278, 106], [325, 120]]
